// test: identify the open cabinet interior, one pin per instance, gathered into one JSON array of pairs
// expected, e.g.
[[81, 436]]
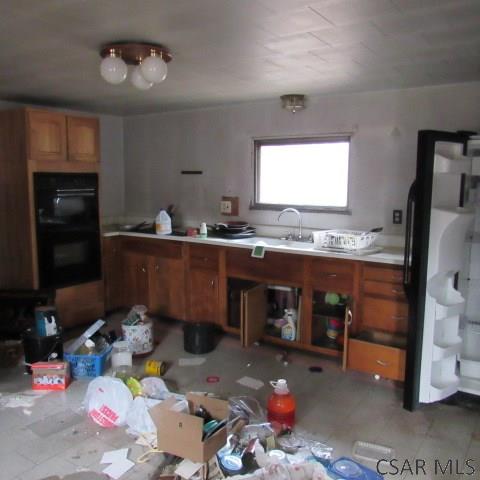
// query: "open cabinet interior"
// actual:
[[257, 310]]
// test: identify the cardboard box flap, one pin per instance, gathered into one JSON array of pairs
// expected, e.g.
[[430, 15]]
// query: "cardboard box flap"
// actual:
[[218, 409], [169, 420]]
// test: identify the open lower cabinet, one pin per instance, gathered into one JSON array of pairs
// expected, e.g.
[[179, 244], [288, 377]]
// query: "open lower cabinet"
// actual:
[[260, 311]]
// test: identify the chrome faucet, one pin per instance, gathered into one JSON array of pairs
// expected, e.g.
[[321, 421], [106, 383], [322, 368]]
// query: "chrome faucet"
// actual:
[[294, 210]]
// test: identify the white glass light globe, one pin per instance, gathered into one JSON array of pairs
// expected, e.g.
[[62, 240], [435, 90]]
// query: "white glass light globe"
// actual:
[[154, 69], [138, 81], [113, 69]]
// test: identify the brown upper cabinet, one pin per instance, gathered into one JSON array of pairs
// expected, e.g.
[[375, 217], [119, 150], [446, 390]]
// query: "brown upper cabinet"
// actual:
[[46, 136], [57, 137], [83, 139]]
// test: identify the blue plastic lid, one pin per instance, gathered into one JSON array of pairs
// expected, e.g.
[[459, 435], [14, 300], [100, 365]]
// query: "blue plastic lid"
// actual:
[[348, 469], [231, 463]]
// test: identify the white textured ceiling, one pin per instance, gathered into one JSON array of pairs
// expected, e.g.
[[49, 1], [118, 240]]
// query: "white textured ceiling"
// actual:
[[234, 50]]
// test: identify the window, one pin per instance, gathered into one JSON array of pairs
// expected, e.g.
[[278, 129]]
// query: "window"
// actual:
[[308, 173]]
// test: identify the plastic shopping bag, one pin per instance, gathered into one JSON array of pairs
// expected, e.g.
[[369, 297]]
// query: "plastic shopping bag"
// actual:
[[138, 419], [107, 401]]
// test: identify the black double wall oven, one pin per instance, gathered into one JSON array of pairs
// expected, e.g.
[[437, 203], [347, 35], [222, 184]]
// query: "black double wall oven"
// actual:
[[67, 227]]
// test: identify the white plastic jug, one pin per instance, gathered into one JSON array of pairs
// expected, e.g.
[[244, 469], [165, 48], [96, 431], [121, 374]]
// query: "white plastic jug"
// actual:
[[163, 223]]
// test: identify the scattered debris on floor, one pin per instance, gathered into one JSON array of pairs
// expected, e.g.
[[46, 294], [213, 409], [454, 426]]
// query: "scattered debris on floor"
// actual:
[[251, 383], [191, 362], [191, 436], [25, 399], [118, 462]]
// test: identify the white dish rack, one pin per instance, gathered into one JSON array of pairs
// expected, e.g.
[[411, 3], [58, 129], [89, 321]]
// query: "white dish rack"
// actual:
[[347, 240]]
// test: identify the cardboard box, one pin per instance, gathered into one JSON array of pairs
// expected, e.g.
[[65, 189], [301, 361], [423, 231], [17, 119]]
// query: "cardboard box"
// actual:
[[181, 433], [50, 375]]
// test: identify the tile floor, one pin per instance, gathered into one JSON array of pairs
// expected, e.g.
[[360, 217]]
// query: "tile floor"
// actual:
[[336, 407]]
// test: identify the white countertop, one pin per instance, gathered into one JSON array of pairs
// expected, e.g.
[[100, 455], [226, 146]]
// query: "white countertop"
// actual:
[[388, 255]]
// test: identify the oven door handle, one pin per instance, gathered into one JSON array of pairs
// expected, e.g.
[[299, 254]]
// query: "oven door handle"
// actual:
[[78, 194]]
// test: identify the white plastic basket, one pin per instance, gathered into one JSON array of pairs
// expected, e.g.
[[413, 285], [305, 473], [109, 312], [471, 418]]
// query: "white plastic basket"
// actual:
[[344, 239]]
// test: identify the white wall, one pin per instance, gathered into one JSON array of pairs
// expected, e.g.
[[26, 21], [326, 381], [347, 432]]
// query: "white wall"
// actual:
[[219, 142], [112, 180]]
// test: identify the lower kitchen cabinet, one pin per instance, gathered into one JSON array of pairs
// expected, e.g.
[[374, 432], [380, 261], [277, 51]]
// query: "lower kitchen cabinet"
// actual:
[[350, 309], [166, 284], [383, 360], [112, 272], [378, 346], [135, 279], [203, 296]]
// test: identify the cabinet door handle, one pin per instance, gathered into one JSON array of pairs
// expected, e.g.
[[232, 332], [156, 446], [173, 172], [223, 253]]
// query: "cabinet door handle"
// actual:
[[212, 283], [382, 363], [144, 270], [396, 290], [157, 268], [331, 275], [399, 317]]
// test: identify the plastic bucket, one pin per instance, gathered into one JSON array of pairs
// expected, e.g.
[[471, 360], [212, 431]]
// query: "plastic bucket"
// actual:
[[41, 349], [198, 337]]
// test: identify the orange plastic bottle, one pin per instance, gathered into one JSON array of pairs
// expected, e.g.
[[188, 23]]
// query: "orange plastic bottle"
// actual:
[[281, 405]]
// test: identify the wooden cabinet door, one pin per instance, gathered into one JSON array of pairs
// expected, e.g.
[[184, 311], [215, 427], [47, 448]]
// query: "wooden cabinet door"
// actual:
[[203, 296], [135, 279], [46, 136], [166, 287], [83, 139], [253, 314], [112, 272]]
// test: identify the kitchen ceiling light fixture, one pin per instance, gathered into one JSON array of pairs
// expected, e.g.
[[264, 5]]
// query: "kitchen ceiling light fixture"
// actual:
[[293, 102], [150, 62]]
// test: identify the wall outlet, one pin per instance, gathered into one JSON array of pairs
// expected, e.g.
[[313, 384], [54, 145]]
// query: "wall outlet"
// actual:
[[229, 206], [397, 217], [226, 207]]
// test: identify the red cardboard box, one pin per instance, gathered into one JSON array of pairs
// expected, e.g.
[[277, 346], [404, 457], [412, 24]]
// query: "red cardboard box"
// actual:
[[50, 375]]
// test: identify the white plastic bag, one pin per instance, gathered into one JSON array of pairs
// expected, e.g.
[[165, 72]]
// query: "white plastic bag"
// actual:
[[107, 401], [138, 419]]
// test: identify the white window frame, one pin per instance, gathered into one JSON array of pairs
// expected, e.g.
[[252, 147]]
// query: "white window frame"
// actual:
[[261, 141]]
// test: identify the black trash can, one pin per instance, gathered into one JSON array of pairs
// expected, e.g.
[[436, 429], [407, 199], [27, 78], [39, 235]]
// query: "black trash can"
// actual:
[[40, 349], [199, 337]]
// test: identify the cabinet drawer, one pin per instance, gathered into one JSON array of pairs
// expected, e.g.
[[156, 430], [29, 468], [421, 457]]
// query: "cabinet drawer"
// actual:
[[287, 269], [150, 246], [204, 257], [382, 274], [384, 289], [388, 362], [332, 276], [386, 315]]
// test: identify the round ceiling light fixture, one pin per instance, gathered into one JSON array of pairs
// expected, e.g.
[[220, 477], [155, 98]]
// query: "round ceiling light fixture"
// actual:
[[113, 69], [150, 61], [138, 80], [154, 69], [293, 102]]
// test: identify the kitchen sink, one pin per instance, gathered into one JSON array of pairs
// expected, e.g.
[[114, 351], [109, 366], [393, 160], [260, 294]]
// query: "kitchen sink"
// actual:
[[275, 242]]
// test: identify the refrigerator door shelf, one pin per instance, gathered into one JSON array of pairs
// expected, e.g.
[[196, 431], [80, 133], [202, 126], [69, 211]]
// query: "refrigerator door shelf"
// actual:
[[448, 232], [447, 350], [444, 381], [441, 390], [448, 165], [469, 385], [470, 368], [447, 311]]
